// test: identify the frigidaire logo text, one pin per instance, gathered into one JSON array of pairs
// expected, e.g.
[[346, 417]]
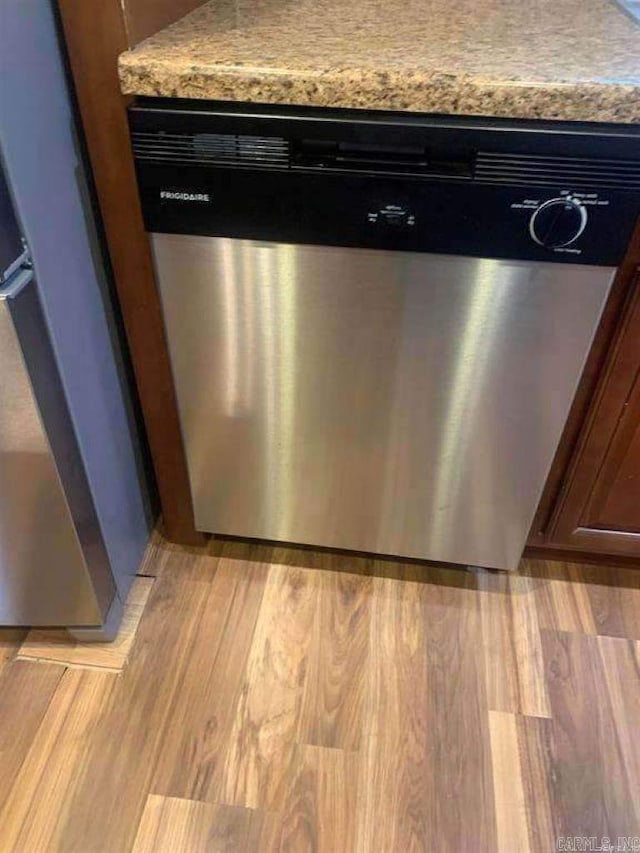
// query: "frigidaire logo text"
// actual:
[[180, 196]]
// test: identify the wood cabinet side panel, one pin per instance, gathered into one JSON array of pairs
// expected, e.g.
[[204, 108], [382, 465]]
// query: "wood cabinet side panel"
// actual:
[[143, 18], [95, 35]]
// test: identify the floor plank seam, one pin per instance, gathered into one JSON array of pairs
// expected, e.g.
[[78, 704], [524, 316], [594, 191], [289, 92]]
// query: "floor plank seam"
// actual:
[[69, 665]]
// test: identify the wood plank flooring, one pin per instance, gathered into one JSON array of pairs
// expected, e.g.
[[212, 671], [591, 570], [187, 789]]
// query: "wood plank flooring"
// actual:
[[285, 699]]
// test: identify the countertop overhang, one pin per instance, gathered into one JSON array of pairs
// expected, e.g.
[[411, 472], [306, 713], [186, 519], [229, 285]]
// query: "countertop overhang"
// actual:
[[572, 60]]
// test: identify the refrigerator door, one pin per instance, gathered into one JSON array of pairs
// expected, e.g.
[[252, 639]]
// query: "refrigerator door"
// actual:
[[42, 149], [44, 579], [52, 571]]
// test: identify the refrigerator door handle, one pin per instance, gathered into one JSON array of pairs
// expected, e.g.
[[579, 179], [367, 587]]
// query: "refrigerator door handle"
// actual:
[[16, 277], [22, 262]]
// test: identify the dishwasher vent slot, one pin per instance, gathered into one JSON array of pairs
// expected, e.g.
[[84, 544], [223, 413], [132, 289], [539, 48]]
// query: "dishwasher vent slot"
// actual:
[[371, 158], [276, 152], [204, 149], [517, 169]]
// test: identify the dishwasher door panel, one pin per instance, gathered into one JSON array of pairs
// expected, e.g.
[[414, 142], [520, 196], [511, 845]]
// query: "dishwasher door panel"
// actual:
[[392, 402]]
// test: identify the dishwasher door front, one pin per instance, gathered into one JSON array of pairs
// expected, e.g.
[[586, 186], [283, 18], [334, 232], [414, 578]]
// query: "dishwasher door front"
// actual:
[[392, 402]]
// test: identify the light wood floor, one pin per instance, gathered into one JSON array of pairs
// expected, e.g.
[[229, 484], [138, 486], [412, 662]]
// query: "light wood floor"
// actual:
[[281, 699]]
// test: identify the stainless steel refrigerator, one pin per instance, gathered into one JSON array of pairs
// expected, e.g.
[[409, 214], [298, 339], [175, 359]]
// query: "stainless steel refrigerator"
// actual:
[[74, 508]]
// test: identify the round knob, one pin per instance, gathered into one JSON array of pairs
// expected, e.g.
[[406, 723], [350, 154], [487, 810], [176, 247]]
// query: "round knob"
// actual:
[[558, 222]]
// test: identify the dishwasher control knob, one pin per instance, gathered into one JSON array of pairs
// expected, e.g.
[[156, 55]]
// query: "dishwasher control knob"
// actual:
[[558, 222]]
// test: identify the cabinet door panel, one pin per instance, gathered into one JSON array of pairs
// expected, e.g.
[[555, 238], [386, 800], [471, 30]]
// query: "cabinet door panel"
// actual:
[[615, 503], [599, 506]]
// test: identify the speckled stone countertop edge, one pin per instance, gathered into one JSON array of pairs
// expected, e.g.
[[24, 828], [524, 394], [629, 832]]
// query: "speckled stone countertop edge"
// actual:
[[617, 102]]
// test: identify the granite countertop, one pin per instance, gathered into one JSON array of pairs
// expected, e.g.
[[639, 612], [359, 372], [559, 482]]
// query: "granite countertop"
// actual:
[[555, 59]]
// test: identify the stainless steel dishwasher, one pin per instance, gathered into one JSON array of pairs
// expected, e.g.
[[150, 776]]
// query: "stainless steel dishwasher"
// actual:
[[377, 322]]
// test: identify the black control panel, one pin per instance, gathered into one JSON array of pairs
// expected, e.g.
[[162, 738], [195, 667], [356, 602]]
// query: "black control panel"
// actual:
[[560, 192]]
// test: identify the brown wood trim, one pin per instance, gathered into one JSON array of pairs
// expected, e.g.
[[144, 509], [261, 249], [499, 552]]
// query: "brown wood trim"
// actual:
[[577, 554], [612, 542], [143, 18], [95, 35]]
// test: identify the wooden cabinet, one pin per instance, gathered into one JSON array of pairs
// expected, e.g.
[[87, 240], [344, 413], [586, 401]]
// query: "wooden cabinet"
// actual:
[[598, 508]]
